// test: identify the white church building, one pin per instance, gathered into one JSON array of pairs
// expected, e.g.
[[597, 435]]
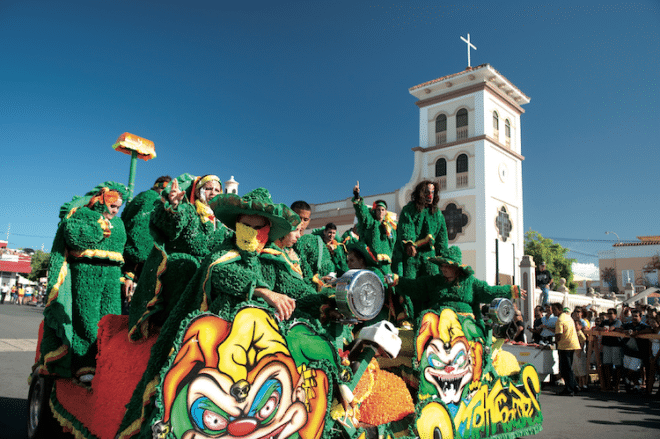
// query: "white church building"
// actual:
[[469, 141]]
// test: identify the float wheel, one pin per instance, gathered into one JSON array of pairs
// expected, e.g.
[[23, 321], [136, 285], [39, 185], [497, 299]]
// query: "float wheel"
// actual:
[[40, 421]]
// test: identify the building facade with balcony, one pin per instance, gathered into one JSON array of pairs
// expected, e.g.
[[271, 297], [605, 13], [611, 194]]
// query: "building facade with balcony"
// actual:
[[469, 141]]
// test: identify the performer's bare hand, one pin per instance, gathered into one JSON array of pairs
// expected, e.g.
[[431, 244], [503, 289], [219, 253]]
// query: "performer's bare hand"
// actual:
[[129, 289], [284, 305], [176, 195], [356, 190], [411, 250]]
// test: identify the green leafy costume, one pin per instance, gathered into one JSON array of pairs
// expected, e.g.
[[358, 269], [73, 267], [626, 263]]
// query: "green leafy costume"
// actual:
[[380, 236], [463, 295], [349, 236], [83, 282], [183, 236], [139, 241], [318, 259], [232, 274], [225, 282], [427, 231]]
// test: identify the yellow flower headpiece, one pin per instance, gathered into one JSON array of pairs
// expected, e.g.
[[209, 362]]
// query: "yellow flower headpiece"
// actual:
[[207, 178]]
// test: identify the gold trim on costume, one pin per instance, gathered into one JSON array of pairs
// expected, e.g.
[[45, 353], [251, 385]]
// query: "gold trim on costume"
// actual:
[[224, 258], [64, 422], [105, 226], [101, 254], [149, 391], [55, 355], [295, 267], [55, 290]]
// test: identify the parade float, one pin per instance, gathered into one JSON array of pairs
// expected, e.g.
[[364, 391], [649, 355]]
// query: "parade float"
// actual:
[[249, 375], [240, 372]]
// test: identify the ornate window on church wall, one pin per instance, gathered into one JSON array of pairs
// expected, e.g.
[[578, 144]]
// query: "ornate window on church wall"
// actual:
[[503, 224], [496, 126], [462, 171], [441, 173], [507, 133], [456, 220], [441, 129], [462, 124]]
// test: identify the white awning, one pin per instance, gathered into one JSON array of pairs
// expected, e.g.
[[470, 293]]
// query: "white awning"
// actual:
[[24, 281]]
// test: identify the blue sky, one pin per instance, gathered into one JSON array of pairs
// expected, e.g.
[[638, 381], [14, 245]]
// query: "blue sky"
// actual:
[[306, 97]]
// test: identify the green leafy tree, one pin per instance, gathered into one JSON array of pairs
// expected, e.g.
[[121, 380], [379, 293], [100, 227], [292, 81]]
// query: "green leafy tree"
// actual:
[[39, 265], [554, 255]]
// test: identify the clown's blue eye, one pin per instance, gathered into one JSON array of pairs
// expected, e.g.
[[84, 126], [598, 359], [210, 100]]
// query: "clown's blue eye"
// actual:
[[208, 417], [460, 360], [267, 401], [436, 362]]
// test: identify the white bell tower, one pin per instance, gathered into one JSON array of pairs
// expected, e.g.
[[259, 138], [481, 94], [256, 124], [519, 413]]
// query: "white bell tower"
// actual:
[[231, 186], [469, 141]]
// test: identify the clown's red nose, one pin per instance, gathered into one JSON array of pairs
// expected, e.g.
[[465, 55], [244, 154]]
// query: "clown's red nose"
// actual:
[[242, 427], [449, 369]]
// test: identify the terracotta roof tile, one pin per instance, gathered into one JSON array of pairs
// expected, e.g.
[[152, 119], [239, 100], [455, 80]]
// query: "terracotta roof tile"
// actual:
[[632, 244], [649, 238]]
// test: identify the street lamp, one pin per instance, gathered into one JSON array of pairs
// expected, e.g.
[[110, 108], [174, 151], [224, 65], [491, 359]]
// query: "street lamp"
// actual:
[[617, 236]]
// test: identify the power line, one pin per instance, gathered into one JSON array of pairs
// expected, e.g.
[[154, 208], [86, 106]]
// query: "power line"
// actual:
[[608, 241], [583, 254]]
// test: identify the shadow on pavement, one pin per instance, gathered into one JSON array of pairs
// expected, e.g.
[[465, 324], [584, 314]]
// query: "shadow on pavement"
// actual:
[[13, 418]]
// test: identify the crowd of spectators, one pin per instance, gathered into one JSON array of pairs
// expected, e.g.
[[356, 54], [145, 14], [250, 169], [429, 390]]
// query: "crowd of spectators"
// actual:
[[20, 294], [625, 353]]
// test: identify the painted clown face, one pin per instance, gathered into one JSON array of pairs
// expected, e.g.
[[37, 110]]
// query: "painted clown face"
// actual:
[[429, 193], [449, 368], [269, 407]]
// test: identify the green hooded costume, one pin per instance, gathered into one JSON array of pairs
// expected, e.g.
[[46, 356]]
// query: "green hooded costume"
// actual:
[[234, 273], [463, 295], [318, 259], [83, 281], [225, 282], [183, 236], [380, 236], [427, 232], [139, 242]]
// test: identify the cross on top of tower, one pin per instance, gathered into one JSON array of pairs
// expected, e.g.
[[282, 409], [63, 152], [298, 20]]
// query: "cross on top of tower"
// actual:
[[469, 45]]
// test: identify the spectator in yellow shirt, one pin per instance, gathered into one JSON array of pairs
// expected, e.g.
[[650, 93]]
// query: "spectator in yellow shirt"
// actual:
[[567, 342], [21, 294]]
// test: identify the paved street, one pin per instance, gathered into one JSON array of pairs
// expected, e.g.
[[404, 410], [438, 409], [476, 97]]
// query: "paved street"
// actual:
[[591, 415], [19, 328]]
